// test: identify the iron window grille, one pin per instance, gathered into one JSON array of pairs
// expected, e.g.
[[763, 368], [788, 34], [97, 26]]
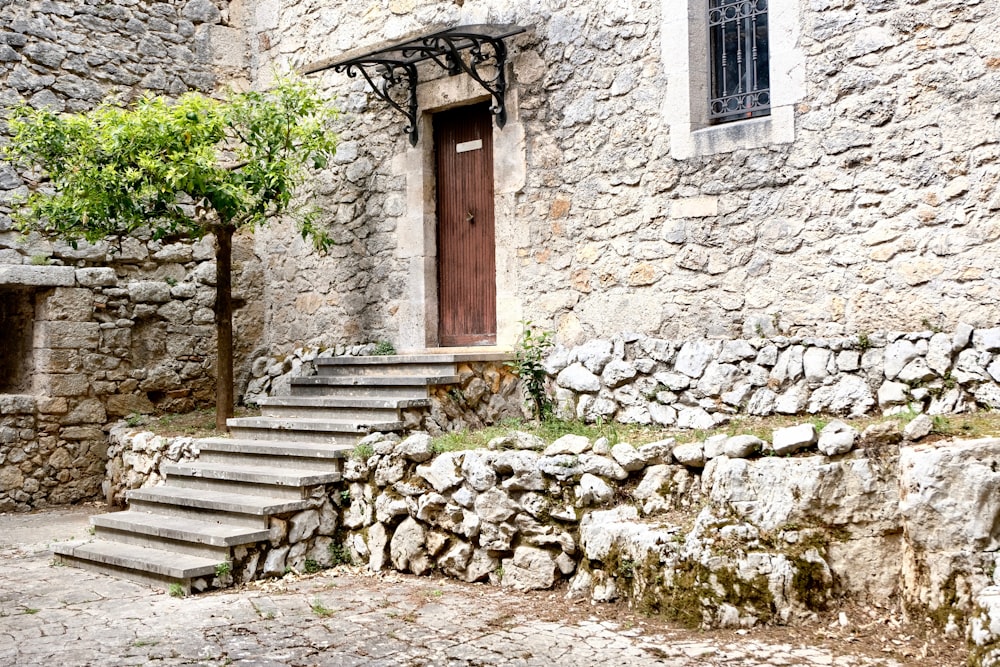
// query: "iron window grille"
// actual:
[[738, 43]]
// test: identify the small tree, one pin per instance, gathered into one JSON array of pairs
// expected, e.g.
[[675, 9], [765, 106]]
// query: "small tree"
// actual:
[[176, 170]]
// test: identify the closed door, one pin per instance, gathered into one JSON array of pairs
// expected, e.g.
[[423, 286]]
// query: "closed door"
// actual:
[[467, 302]]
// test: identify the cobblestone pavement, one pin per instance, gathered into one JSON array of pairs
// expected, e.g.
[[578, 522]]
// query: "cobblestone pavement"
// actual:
[[61, 616]]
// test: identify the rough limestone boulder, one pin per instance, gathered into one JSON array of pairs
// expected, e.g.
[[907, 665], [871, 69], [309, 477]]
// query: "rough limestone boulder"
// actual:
[[950, 505]]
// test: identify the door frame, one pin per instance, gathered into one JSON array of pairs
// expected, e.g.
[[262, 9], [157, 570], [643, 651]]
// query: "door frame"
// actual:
[[416, 311]]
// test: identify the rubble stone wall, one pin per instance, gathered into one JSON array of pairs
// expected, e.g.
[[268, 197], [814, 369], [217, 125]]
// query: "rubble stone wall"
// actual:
[[129, 331], [108, 329], [880, 213], [700, 383]]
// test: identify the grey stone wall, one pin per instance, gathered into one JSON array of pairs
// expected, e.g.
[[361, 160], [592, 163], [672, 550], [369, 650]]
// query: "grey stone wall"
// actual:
[[110, 330], [881, 215], [126, 332], [700, 383]]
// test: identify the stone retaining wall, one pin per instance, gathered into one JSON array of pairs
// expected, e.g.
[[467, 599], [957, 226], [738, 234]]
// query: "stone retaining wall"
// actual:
[[112, 332], [110, 329], [633, 378], [729, 531]]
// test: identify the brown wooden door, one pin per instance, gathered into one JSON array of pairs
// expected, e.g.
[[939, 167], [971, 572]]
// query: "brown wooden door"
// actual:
[[467, 300]]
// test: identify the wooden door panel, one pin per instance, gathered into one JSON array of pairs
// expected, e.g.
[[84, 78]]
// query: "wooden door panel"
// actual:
[[463, 141]]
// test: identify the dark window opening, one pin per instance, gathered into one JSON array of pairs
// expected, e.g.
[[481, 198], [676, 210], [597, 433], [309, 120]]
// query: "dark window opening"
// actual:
[[738, 51], [17, 321]]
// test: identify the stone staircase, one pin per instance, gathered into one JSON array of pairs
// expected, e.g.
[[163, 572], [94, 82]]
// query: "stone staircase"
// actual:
[[185, 531]]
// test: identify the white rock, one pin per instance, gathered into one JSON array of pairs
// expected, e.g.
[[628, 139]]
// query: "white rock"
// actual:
[[893, 393], [713, 446], [495, 506], [594, 355], [814, 363], [654, 453], [579, 379], [477, 468], [568, 444], [407, 544], [617, 373], [987, 340], [442, 473], [627, 457], [694, 418], [690, 454], [517, 440], [836, 438], [919, 427], [602, 466], [939, 353], [593, 490], [378, 540], [742, 446], [694, 356], [416, 447], [897, 354], [793, 438]]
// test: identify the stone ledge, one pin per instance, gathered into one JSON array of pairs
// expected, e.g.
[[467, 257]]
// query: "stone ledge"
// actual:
[[37, 276]]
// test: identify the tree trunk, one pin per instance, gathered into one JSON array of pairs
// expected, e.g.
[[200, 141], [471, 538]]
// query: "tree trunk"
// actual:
[[223, 325]]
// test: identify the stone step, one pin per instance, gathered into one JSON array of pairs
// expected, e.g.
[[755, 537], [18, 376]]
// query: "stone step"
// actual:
[[251, 480], [319, 431], [374, 386], [407, 363], [143, 564], [197, 538], [202, 504], [274, 453], [339, 408]]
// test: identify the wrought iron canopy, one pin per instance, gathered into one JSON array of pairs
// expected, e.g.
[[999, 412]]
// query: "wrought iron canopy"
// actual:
[[391, 69]]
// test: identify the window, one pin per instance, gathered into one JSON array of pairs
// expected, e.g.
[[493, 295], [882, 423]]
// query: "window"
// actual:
[[739, 60], [735, 73]]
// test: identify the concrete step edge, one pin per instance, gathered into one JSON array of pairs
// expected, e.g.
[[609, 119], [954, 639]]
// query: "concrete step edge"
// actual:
[[317, 425], [252, 474], [376, 380], [413, 358], [163, 526], [359, 403], [237, 503], [274, 448], [144, 559]]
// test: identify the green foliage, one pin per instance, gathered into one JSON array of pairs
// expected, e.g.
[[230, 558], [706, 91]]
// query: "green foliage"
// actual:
[[134, 419], [223, 569], [321, 609], [383, 348], [39, 260], [312, 567], [363, 452], [340, 555], [529, 353], [177, 168], [175, 590]]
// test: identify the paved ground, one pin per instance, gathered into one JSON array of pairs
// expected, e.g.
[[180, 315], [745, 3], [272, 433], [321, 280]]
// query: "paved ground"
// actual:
[[59, 616]]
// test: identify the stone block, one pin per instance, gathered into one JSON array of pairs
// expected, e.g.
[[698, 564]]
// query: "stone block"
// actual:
[[37, 276], [73, 335]]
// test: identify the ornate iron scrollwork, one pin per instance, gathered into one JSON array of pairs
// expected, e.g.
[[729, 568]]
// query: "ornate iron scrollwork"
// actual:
[[385, 77], [393, 67]]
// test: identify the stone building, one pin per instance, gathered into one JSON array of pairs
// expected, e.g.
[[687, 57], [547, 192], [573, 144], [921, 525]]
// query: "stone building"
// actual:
[[863, 199], [690, 263]]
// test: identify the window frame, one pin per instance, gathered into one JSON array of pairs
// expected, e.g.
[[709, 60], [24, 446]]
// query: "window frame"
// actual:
[[744, 66], [684, 46]]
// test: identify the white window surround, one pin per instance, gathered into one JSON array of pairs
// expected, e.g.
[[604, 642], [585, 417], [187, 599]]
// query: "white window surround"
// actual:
[[684, 50]]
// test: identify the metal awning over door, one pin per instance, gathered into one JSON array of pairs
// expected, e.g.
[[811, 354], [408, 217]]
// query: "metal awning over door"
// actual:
[[391, 69]]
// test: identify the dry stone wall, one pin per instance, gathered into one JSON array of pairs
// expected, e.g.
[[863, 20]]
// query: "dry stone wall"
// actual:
[[698, 384], [106, 330], [113, 332], [881, 215]]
